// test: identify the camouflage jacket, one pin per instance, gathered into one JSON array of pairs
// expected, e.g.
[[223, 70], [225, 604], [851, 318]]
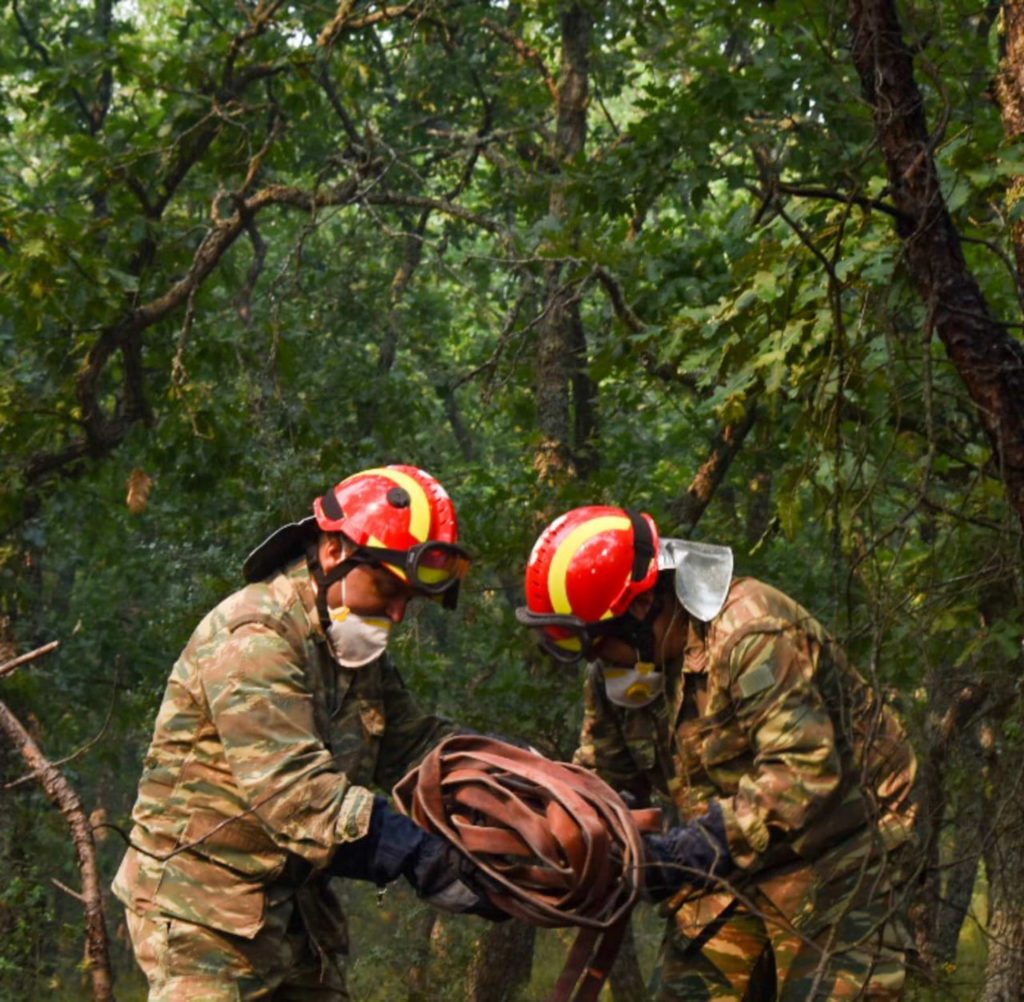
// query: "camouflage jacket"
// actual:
[[261, 759], [765, 716]]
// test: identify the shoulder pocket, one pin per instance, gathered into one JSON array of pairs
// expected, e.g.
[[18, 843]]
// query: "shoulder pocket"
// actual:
[[282, 627]]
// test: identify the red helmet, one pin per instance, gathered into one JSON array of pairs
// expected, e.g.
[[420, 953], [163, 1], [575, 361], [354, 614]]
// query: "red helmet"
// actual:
[[586, 568], [399, 517], [391, 506], [404, 517]]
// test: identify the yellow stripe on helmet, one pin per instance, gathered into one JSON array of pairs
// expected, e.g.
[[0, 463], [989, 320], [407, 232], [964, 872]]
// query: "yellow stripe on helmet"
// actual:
[[559, 569], [419, 503]]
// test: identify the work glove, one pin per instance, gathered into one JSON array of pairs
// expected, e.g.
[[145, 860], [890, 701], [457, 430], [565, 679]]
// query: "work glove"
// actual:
[[445, 879], [395, 846], [688, 856]]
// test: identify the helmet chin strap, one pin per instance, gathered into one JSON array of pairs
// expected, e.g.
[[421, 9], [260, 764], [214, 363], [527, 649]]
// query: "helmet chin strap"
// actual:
[[324, 580], [641, 632]]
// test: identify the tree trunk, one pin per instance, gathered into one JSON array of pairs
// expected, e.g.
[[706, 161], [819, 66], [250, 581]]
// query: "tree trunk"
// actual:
[[627, 979], [944, 893], [562, 378], [1004, 860], [989, 360], [501, 967], [419, 984]]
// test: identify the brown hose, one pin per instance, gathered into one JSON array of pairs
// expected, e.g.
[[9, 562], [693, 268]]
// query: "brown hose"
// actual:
[[559, 846]]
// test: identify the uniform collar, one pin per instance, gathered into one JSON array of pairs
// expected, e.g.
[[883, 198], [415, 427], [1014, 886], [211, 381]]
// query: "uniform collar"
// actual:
[[297, 572]]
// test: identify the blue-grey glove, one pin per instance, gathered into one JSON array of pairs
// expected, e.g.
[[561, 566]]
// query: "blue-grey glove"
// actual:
[[444, 878], [690, 856], [387, 851], [395, 846]]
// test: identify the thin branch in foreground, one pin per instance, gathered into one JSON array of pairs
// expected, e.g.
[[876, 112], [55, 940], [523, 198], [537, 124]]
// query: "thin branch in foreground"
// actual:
[[66, 800], [77, 753], [78, 896], [13, 665]]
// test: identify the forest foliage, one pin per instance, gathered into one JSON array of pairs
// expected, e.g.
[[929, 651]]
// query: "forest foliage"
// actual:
[[554, 253]]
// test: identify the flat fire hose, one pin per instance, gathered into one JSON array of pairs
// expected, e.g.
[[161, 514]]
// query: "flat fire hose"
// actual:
[[558, 846]]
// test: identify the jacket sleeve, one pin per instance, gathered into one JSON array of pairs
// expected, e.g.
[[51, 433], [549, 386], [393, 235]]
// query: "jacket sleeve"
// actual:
[[262, 707], [796, 764], [603, 748], [410, 732]]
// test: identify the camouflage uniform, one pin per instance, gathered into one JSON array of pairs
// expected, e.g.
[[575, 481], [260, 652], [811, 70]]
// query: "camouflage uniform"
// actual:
[[814, 776], [260, 761]]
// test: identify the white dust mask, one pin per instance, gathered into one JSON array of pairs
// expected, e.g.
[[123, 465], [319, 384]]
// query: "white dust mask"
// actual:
[[356, 640], [633, 687]]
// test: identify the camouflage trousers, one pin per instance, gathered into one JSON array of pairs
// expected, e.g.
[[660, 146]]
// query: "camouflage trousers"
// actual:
[[192, 963], [845, 939]]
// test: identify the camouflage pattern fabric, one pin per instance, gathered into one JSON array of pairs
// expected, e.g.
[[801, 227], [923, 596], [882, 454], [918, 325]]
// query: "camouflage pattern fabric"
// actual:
[[261, 764], [849, 944], [814, 775], [191, 963]]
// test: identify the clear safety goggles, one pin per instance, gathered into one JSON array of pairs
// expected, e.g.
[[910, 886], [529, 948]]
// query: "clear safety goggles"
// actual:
[[431, 567]]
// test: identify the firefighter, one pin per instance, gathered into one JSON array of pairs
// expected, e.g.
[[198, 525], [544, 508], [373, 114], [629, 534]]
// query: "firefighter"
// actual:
[[281, 717], [791, 778]]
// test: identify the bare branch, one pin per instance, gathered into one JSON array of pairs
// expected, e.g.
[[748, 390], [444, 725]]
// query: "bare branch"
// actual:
[[77, 753], [10, 667], [441, 205], [334, 100], [259, 21], [67, 890], [336, 25], [989, 361], [67, 801]]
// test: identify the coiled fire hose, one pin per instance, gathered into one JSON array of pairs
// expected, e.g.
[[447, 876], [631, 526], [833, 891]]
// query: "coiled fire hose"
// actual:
[[558, 846]]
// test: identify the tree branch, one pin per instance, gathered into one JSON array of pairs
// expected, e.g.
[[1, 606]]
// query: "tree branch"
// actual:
[[10, 667], [102, 434], [64, 798], [343, 21], [526, 53], [809, 191], [990, 362], [688, 509], [625, 313]]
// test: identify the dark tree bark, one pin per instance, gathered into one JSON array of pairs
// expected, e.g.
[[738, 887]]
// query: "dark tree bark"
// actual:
[[1004, 862], [501, 967], [627, 979], [419, 983], [989, 360], [945, 889]]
